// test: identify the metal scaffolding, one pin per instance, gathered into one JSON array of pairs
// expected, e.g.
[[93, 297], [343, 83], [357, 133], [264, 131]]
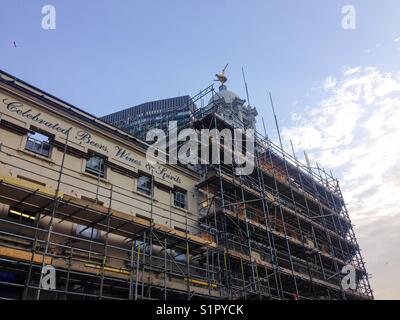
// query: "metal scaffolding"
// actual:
[[285, 229], [140, 262], [282, 232]]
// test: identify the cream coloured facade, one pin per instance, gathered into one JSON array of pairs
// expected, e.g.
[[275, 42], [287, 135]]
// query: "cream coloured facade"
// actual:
[[125, 161], [71, 184]]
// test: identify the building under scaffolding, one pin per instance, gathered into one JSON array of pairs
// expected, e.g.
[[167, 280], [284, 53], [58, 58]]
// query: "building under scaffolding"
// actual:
[[77, 194]]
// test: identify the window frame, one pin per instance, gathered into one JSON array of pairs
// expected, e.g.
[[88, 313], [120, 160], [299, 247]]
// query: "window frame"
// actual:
[[92, 171], [36, 142], [177, 202], [140, 189]]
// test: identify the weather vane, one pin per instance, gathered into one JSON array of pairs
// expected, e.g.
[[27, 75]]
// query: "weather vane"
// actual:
[[221, 77]]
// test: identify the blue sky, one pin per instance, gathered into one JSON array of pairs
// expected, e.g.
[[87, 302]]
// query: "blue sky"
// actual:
[[107, 55]]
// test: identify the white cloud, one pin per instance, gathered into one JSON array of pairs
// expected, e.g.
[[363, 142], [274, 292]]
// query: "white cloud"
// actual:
[[351, 71], [355, 130], [397, 39], [329, 83]]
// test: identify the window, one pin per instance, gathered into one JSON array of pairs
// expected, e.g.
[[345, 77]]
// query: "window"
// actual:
[[95, 164], [144, 184], [180, 198], [39, 143]]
